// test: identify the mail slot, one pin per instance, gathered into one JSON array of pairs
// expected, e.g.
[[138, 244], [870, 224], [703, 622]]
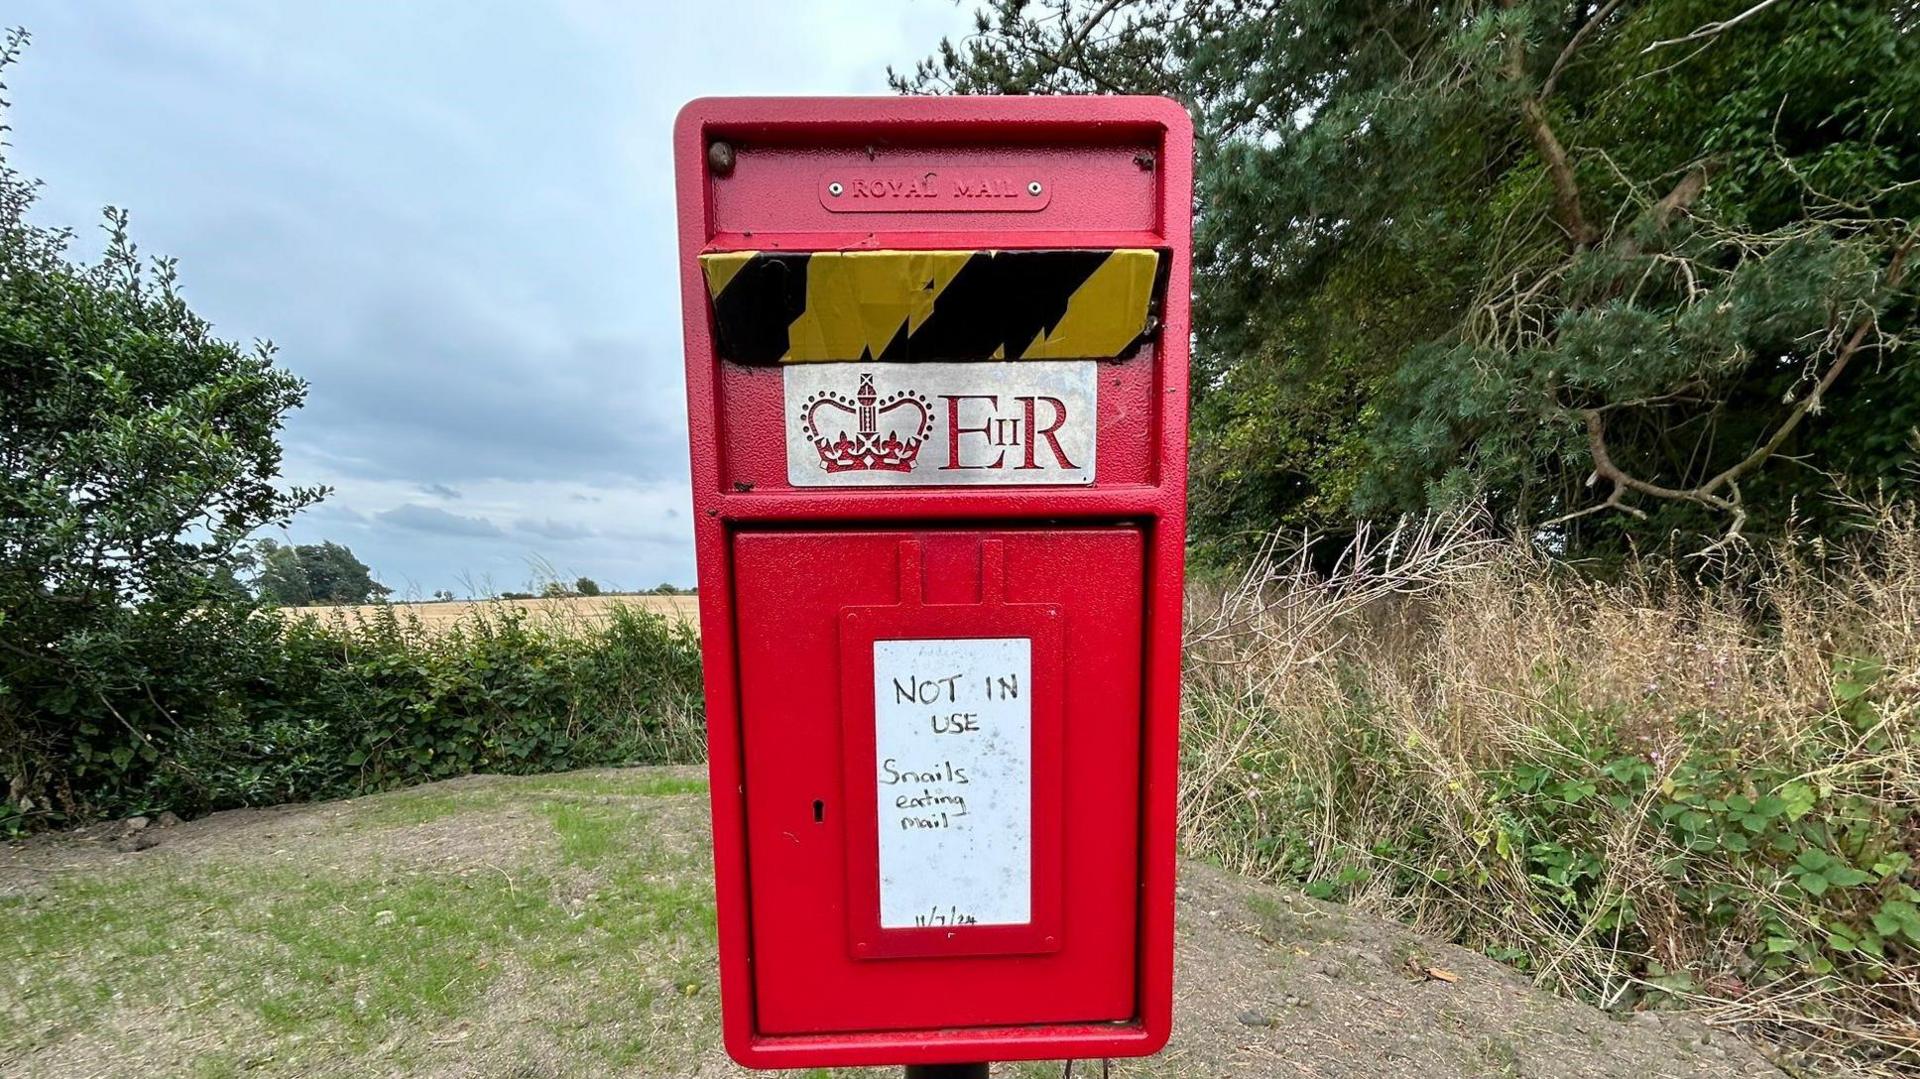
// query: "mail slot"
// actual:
[[937, 388]]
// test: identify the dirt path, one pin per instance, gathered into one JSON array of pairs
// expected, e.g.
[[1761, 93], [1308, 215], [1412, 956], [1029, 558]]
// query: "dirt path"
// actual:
[[562, 925]]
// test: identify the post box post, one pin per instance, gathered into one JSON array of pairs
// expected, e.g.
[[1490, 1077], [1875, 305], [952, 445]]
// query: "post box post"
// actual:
[[946, 1071], [937, 407]]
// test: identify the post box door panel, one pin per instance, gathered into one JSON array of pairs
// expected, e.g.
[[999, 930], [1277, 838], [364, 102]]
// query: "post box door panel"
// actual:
[[942, 735]]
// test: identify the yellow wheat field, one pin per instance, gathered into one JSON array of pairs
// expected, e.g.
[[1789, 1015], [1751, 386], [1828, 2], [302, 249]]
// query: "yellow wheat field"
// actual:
[[570, 610]]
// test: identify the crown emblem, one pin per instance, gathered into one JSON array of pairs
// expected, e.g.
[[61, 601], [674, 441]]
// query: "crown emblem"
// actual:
[[865, 433]]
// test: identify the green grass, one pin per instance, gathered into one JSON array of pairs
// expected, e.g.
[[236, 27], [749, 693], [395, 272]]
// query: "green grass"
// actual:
[[650, 786], [258, 958], [348, 955], [424, 805]]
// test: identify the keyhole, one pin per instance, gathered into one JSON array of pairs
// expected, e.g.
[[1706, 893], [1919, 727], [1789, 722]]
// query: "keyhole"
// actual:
[[819, 811]]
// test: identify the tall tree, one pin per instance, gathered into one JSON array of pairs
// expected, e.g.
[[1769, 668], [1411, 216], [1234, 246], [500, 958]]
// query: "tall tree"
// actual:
[[1610, 267], [335, 575], [308, 573], [279, 578]]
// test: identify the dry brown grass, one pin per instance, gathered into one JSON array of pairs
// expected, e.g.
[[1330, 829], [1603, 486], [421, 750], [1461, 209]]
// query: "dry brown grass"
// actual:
[[569, 610], [1453, 729]]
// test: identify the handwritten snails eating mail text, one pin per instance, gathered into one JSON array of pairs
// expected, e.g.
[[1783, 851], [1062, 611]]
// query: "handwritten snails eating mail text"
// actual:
[[954, 756]]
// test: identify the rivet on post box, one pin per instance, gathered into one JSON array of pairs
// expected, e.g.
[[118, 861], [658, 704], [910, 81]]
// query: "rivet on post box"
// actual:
[[937, 403]]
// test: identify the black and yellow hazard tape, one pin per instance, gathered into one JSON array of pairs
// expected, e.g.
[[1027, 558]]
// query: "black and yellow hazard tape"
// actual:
[[791, 307]]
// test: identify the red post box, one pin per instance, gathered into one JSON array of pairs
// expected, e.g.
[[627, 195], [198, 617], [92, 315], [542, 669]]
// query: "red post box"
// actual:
[[937, 396]]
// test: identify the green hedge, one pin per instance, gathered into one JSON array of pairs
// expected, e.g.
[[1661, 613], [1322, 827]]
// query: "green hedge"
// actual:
[[231, 709]]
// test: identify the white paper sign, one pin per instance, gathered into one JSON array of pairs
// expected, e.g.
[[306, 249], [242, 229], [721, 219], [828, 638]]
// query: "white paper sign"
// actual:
[[925, 424], [954, 755]]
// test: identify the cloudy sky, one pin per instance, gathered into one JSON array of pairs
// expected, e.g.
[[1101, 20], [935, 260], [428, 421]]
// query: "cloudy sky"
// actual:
[[455, 220]]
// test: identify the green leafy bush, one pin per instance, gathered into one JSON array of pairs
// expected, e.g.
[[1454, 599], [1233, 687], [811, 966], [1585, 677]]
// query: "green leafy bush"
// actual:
[[137, 452], [344, 707], [1802, 875], [287, 711]]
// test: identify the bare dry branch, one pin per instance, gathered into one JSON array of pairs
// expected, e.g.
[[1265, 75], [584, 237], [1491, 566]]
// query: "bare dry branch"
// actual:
[[1566, 189], [1065, 59], [1573, 45], [1707, 493], [1713, 28], [1533, 115], [1071, 45]]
